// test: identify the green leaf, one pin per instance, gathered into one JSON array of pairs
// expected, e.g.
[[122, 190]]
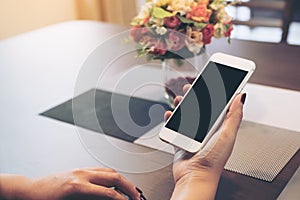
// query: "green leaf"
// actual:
[[189, 21], [200, 25], [179, 62], [229, 40], [185, 20], [161, 13], [150, 29]]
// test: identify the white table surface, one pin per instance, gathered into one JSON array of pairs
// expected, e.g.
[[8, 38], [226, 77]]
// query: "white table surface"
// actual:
[[38, 71]]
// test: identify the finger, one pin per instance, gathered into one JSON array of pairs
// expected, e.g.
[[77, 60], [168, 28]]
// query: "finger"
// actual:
[[100, 191], [186, 87], [113, 179], [177, 100], [227, 132], [231, 124], [235, 114], [167, 115], [221, 144], [100, 169]]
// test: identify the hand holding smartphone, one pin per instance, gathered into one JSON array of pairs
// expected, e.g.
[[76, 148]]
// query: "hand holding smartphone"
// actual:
[[203, 107]]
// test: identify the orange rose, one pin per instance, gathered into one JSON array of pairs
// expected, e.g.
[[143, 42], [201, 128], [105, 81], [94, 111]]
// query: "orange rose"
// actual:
[[199, 12]]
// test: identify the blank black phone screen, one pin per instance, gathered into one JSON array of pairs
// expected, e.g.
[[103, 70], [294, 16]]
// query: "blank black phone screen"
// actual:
[[206, 100]]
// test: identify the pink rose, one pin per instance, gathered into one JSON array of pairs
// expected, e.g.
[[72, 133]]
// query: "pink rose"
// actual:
[[157, 47], [229, 29], [207, 33], [176, 40], [172, 22], [138, 32]]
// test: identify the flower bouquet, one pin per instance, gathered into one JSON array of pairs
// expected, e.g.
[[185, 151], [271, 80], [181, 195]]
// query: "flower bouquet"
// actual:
[[176, 32], [179, 28]]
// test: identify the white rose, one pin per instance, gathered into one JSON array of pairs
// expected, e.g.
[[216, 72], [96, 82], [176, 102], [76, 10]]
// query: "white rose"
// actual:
[[182, 6], [161, 30], [144, 12]]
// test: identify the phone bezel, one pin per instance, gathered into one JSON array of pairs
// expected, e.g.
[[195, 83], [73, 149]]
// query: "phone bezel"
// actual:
[[191, 145]]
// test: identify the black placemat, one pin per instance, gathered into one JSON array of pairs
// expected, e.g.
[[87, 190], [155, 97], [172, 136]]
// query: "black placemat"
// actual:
[[116, 115]]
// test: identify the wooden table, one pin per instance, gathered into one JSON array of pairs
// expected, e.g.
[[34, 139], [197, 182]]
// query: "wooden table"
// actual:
[[278, 65], [39, 70]]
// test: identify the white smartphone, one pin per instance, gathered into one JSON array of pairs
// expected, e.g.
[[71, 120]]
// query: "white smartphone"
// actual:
[[203, 107]]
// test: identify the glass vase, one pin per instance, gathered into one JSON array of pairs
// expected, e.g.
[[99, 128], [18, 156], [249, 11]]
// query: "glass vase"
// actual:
[[179, 72]]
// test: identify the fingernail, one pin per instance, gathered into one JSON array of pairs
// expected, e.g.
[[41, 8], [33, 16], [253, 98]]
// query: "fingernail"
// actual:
[[143, 197], [243, 98], [139, 190]]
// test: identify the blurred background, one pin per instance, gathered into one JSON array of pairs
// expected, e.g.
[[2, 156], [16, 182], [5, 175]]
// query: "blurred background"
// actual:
[[18, 16], [262, 20]]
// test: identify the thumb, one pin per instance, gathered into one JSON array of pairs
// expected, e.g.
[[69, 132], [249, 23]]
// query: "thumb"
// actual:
[[235, 114]]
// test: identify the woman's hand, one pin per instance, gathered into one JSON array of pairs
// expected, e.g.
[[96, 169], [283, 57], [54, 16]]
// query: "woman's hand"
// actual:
[[90, 183], [197, 175]]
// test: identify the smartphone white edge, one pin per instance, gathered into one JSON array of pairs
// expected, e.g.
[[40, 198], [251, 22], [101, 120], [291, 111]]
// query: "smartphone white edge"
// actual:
[[188, 144]]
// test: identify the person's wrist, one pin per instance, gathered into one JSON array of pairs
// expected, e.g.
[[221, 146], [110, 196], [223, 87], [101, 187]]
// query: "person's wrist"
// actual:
[[196, 184], [18, 187], [202, 173], [199, 177]]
